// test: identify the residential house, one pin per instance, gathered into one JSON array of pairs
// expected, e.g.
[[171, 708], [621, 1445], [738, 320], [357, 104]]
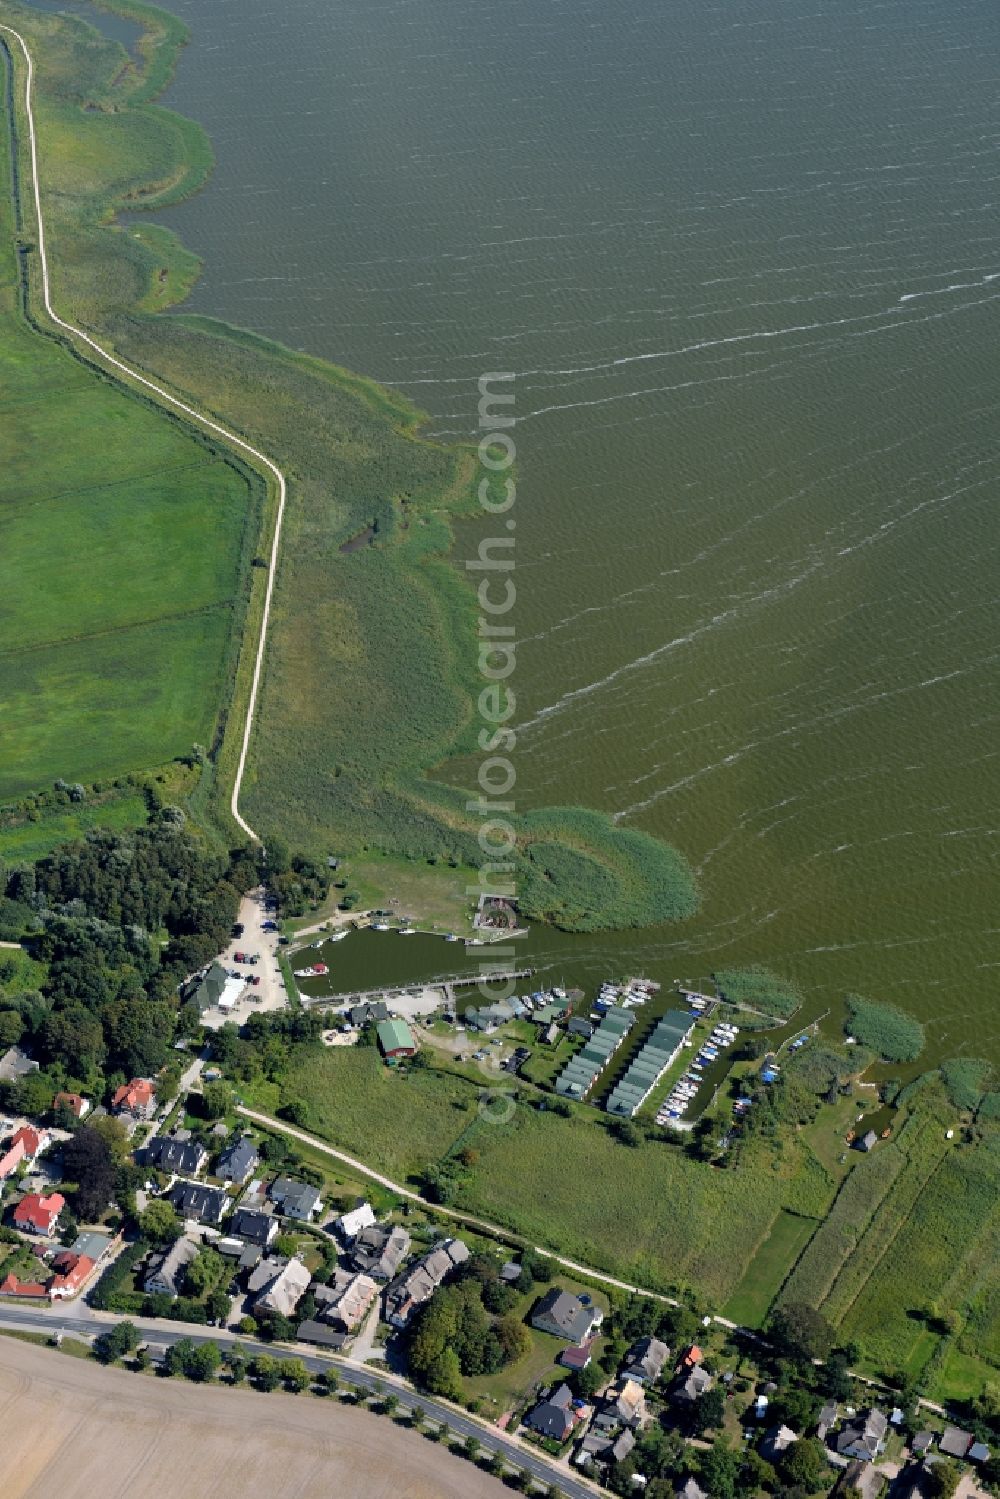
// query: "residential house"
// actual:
[[177, 1154], [349, 1225], [38, 1214], [554, 1417], [34, 1290], [601, 1446], [691, 1356], [167, 1270], [978, 1453], [238, 1160], [645, 1360], [955, 1442], [775, 1441], [577, 1355], [396, 1039], [137, 1099], [827, 1419], [33, 1141], [254, 1227], [692, 1387], [195, 1200], [16, 1063], [861, 1478], [922, 1442], [72, 1272], [421, 1280], [691, 1491], [12, 1157], [75, 1103], [867, 1141], [380, 1250], [278, 1285], [344, 1305], [578, 1027], [295, 1199], [510, 1272], [864, 1436], [625, 1403], [566, 1316], [368, 1014]]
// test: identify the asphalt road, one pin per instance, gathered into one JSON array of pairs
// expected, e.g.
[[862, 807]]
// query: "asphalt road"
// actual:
[[81, 1321]]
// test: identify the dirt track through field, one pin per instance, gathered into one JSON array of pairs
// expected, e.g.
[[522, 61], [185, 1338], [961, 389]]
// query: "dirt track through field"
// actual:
[[233, 438], [71, 1429]]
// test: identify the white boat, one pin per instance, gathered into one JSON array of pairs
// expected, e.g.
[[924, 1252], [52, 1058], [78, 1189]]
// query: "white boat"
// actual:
[[407, 931], [380, 926], [337, 936], [452, 937], [316, 971]]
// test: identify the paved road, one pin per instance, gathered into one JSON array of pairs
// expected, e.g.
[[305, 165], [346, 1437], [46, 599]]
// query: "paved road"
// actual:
[[82, 1321], [232, 438]]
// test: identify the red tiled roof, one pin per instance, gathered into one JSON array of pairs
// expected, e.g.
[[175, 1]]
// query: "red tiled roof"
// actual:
[[11, 1160], [134, 1095], [73, 1276], [31, 1139], [36, 1211], [14, 1287], [75, 1102]]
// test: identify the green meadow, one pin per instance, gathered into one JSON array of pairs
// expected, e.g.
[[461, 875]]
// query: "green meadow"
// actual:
[[124, 540], [370, 676]]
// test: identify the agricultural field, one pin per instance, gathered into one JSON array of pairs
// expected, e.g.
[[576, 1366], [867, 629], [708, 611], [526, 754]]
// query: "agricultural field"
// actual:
[[122, 564], [837, 1237], [752, 1298]]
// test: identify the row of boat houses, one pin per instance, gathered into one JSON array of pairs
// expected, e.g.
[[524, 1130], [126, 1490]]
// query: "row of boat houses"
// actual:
[[582, 1070], [650, 1063]]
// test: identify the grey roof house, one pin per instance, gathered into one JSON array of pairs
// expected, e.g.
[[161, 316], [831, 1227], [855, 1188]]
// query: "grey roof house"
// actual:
[[238, 1160], [694, 1386], [604, 1446], [379, 1251], [167, 1270], [418, 1284], [566, 1316], [174, 1153], [955, 1442], [553, 1417], [254, 1227], [278, 1285], [208, 1204], [864, 1436], [645, 1360], [776, 1441], [295, 1199]]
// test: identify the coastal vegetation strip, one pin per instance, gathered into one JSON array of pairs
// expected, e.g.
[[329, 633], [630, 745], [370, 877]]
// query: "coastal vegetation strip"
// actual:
[[354, 630], [133, 376]]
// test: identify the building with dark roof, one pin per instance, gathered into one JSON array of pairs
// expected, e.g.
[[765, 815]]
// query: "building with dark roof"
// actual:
[[195, 1200], [566, 1316]]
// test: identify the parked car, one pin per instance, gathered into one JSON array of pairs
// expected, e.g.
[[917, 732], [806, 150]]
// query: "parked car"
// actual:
[[237, 929]]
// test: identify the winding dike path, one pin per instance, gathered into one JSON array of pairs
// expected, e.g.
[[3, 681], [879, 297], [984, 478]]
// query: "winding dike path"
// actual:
[[234, 440]]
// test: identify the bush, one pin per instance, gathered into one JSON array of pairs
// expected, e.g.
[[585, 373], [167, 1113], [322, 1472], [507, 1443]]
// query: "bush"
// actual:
[[759, 989], [887, 1031]]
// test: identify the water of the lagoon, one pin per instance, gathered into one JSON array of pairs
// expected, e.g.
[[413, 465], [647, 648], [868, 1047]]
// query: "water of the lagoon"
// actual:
[[743, 258]]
